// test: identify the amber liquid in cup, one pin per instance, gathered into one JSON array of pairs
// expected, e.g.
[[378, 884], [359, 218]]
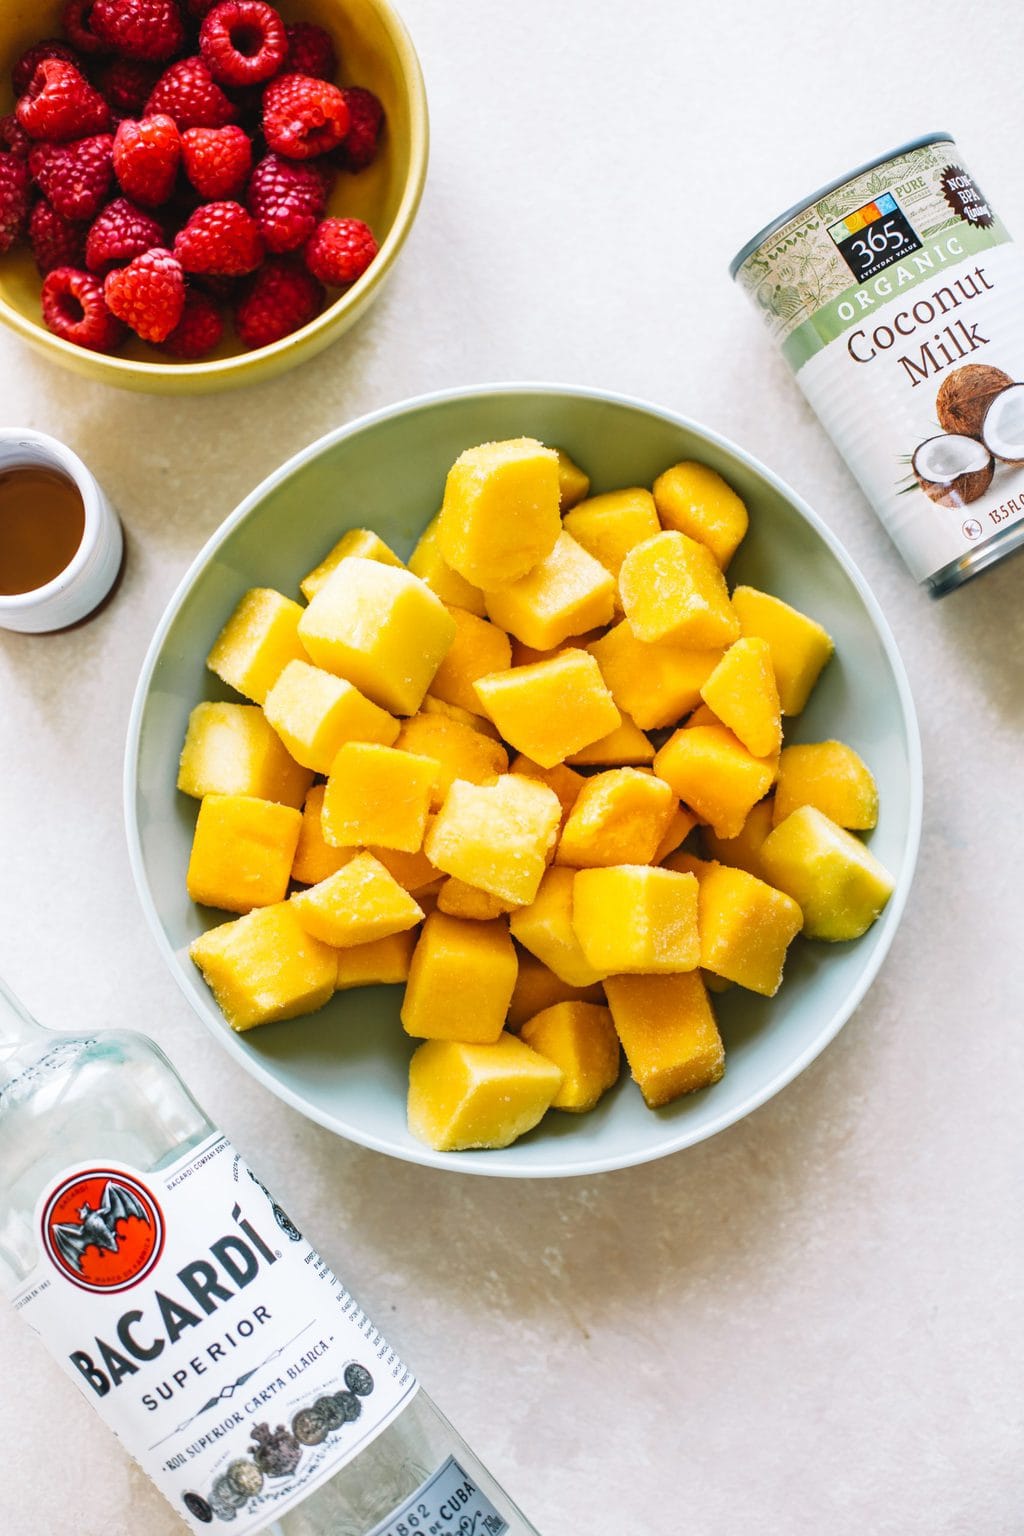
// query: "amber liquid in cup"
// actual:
[[42, 520]]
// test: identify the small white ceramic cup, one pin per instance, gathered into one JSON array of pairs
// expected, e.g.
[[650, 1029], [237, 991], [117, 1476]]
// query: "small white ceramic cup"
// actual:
[[85, 581]]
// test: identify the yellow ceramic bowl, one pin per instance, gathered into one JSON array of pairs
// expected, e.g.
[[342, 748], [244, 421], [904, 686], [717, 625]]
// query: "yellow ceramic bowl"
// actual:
[[375, 51]]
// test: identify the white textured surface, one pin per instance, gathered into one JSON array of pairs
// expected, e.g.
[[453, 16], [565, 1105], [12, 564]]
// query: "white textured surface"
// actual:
[[812, 1323]]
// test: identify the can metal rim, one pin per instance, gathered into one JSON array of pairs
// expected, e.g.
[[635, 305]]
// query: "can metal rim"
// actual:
[[832, 186]]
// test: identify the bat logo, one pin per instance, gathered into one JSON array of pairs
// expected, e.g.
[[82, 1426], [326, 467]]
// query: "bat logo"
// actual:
[[103, 1230]]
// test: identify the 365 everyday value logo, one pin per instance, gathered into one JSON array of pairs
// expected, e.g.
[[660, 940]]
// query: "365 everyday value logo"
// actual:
[[103, 1230]]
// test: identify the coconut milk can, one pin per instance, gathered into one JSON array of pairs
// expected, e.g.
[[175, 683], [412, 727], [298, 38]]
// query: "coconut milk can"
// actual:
[[897, 297]]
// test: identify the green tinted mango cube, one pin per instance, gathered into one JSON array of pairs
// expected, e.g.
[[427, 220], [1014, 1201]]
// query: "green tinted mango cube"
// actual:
[[839, 884]]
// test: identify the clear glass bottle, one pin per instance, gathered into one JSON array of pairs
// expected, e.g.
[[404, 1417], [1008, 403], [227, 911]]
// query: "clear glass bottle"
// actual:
[[79, 1107]]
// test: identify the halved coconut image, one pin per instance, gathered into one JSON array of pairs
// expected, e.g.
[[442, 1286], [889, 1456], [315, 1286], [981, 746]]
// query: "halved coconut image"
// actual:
[[1002, 430], [965, 396], [953, 469]]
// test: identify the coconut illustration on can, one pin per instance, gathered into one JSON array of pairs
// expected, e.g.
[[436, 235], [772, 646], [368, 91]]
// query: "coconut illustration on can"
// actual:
[[897, 296]]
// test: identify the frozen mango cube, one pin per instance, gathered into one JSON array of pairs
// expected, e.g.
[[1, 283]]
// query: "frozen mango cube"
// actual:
[[625, 747], [525, 655], [264, 967], [378, 795], [501, 511], [799, 646], [478, 648], [668, 1033], [609, 526], [380, 628], [537, 988], [693, 499], [230, 749], [832, 777], [674, 593], [242, 852], [551, 709], [315, 713], [702, 715], [654, 684], [497, 837], [565, 782], [741, 692], [746, 927], [315, 859], [839, 884], [460, 981], [712, 772], [636, 919], [458, 899], [360, 542], [573, 482], [744, 850], [620, 818], [546, 929], [381, 962], [428, 563], [459, 752], [564, 594], [358, 904], [257, 643], [463, 1096], [581, 1040]]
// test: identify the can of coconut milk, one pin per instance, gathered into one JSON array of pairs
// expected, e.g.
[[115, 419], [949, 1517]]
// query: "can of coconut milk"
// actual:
[[897, 297]]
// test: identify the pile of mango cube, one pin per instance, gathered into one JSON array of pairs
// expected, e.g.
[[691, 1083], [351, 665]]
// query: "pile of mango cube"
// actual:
[[478, 775]]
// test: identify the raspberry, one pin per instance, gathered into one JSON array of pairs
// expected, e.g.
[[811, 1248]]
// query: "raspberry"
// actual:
[[288, 200], [60, 104], [14, 194], [311, 51], [200, 328], [146, 158], [281, 298], [75, 177], [366, 119], [139, 29], [148, 294], [13, 137], [119, 234], [188, 93], [77, 21], [50, 48], [55, 240], [340, 250], [74, 309], [243, 42], [127, 85], [220, 238], [217, 160], [303, 117]]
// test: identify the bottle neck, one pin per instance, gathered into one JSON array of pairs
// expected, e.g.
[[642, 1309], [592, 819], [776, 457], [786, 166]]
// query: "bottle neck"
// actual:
[[19, 1032]]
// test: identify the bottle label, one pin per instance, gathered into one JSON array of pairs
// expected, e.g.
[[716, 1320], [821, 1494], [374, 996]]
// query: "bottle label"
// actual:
[[212, 1338], [448, 1504]]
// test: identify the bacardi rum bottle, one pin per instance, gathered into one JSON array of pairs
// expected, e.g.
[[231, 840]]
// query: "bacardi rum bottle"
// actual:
[[196, 1319]]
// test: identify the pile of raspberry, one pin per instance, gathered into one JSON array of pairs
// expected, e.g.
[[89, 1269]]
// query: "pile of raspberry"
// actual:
[[170, 161]]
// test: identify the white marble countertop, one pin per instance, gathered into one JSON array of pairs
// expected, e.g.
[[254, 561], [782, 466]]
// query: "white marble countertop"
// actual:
[[810, 1325]]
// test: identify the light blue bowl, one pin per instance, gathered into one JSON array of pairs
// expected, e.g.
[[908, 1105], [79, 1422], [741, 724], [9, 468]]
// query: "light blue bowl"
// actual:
[[346, 1066]]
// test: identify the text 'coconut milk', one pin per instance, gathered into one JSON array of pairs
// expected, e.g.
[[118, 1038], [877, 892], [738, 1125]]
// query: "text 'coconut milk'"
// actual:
[[897, 297]]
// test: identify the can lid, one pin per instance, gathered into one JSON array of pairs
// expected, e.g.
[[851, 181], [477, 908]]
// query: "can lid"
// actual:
[[832, 186]]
